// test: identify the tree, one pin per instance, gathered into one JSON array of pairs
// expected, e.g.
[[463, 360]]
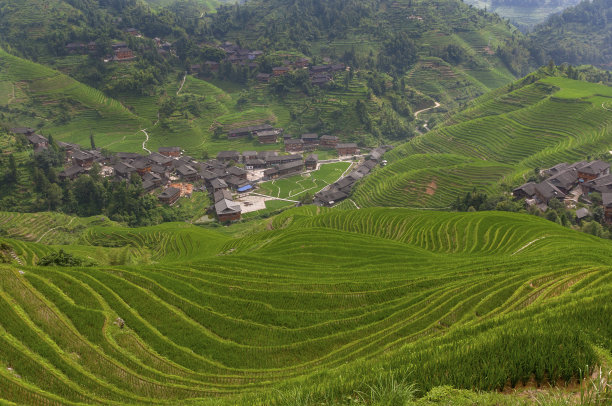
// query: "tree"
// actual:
[[11, 175], [91, 140]]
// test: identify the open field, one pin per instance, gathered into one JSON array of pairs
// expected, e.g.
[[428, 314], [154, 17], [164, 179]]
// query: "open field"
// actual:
[[311, 182], [215, 314], [494, 143]]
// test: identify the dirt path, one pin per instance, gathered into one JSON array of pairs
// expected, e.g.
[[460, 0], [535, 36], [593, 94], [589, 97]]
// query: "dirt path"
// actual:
[[182, 84], [54, 228], [275, 198], [436, 105], [354, 204], [144, 143], [527, 245]]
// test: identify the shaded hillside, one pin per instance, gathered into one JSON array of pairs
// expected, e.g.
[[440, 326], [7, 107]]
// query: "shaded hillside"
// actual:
[[579, 35], [535, 123], [251, 319]]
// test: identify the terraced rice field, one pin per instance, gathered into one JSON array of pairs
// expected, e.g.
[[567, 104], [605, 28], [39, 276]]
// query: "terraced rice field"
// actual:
[[502, 138], [318, 298]]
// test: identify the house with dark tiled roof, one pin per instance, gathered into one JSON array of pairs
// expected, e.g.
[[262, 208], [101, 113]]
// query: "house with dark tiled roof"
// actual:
[[71, 173], [294, 145], [170, 195], [545, 192], [228, 156], [347, 149], [227, 210], [526, 191], [593, 170], [123, 170], [83, 159], [311, 162], [170, 151], [328, 141], [187, 173]]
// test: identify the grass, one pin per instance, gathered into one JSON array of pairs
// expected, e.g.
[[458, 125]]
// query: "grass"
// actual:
[[312, 182], [399, 303]]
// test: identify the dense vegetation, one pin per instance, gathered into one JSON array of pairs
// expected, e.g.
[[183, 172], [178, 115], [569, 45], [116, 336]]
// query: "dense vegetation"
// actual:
[[423, 295]]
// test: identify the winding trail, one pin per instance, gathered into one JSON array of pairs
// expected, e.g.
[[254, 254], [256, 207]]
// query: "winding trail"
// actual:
[[144, 143], [528, 244], [54, 228], [354, 204], [436, 105], [182, 84]]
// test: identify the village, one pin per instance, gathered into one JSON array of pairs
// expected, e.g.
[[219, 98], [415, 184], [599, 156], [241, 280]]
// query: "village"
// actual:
[[232, 178], [571, 183], [235, 55]]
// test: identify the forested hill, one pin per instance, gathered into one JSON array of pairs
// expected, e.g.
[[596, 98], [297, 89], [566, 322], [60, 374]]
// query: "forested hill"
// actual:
[[36, 29], [390, 35], [580, 35]]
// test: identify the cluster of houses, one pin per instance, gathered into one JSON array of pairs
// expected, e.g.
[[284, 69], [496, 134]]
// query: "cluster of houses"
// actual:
[[121, 51], [310, 141], [266, 134], [341, 189], [562, 180], [220, 176], [319, 74], [234, 54]]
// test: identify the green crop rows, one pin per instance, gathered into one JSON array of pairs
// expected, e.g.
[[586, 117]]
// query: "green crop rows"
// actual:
[[216, 315], [500, 139]]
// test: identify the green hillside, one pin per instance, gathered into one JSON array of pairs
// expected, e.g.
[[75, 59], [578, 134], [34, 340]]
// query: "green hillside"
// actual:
[[316, 303], [494, 143], [39, 97]]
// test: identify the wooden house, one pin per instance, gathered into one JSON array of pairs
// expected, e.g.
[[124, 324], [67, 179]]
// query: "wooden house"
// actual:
[[310, 139], [38, 141], [170, 151], [71, 173], [250, 163], [545, 192], [227, 210], [328, 141], [123, 170], [228, 156], [170, 195], [526, 191], [593, 170], [282, 159], [187, 173], [218, 184], [238, 172], [142, 165], [280, 70], [294, 145], [267, 137], [290, 168], [83, 159], [161, 160], [347, 149], [311, 162]]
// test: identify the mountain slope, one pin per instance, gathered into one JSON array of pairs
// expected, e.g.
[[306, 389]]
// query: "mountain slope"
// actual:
[[391, 288], [535, 123], [40, 97], [579, 35]]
